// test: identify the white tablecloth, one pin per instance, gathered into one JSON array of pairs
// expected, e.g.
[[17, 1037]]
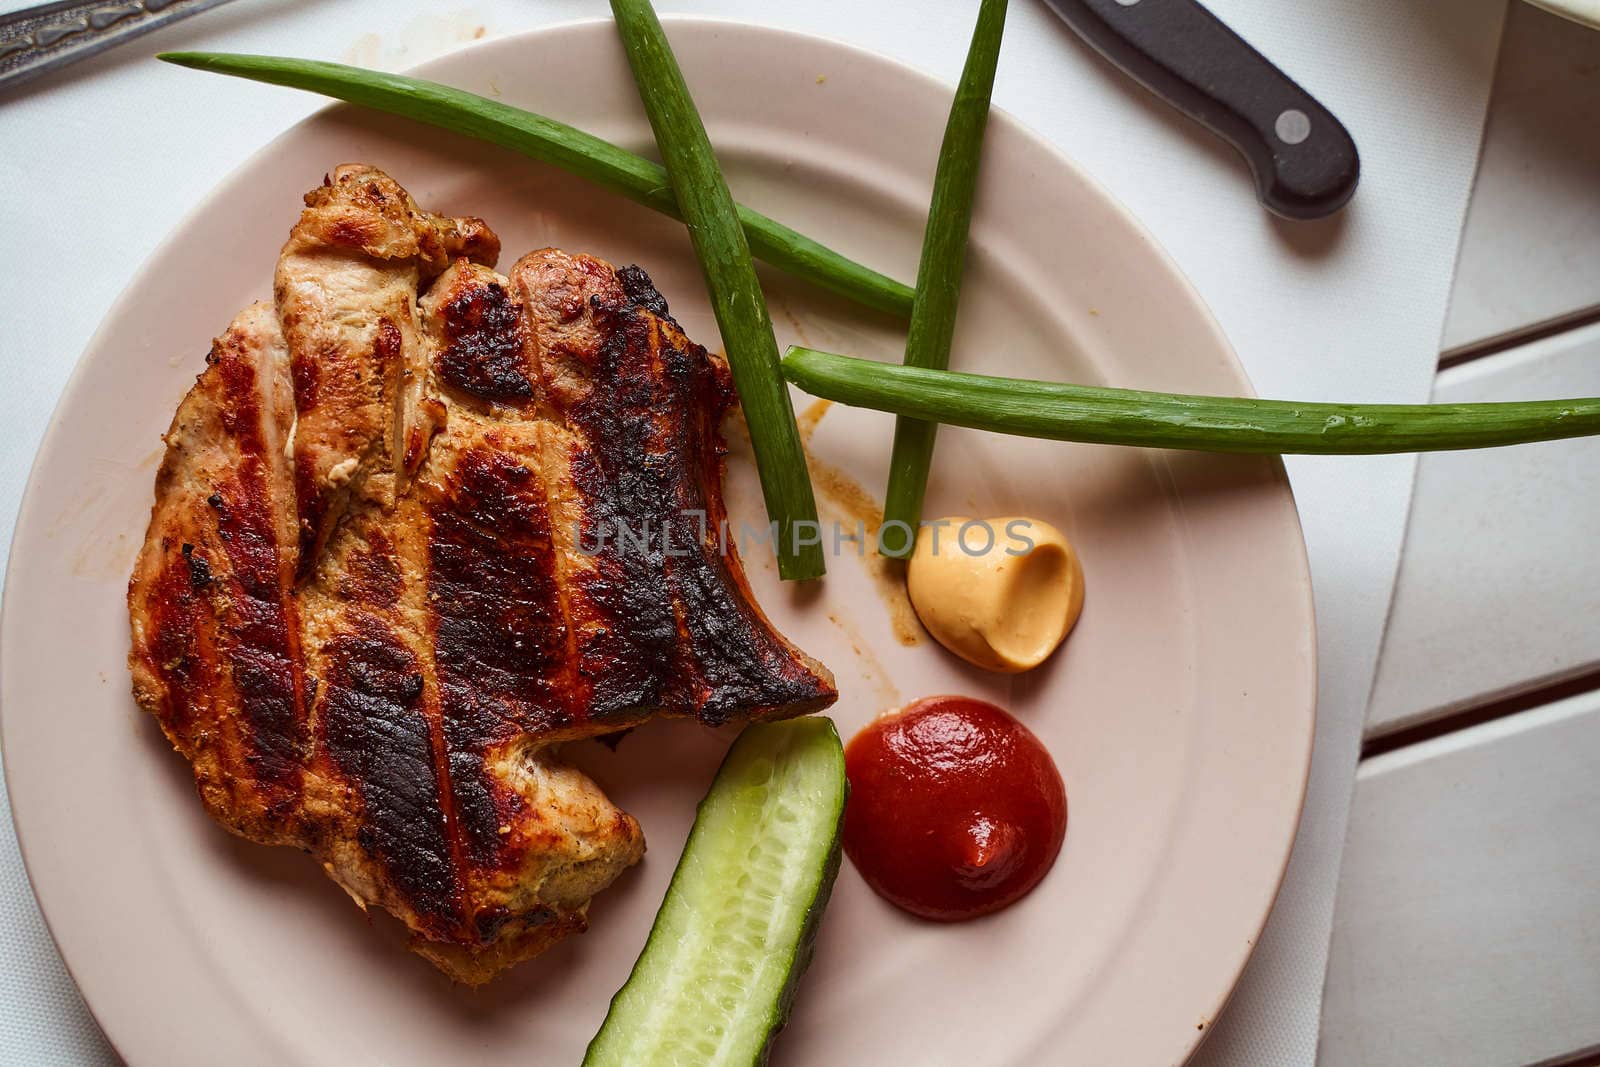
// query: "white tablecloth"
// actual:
[[102, 160]]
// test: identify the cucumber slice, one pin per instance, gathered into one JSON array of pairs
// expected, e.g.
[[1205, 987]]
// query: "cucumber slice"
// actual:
[[716, 978]]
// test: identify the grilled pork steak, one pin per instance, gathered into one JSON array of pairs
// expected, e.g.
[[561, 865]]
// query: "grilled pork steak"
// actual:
[[383, 573]]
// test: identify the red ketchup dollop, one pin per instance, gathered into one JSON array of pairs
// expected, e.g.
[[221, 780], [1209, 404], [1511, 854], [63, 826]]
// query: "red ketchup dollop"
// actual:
[[956, 810]]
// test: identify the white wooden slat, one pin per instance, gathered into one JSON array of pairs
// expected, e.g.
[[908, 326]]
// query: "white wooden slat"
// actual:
[[1530, 250], [1499, 584], [1467, 929]]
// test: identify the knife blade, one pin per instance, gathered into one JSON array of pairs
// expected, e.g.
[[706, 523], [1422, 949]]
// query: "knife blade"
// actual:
[[1303, 160]]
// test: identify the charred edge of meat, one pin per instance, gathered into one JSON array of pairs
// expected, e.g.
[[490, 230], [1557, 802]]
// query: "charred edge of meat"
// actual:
[[674, 596], [623, 479], [642, 292], [484, 345], [377, 732]]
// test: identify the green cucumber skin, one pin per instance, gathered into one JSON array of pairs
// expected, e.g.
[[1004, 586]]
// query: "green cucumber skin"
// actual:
[[804, 947]]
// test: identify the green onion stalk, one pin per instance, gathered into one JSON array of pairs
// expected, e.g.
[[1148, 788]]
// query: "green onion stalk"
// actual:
[[730, 275], [944, 255], [548, 141], [1064, 412]]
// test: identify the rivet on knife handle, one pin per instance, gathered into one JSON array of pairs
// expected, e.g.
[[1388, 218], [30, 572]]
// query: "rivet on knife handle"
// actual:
[[1304, 161]]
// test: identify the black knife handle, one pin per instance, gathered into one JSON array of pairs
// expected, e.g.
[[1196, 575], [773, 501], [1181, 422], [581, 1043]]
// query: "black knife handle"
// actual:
[[1304, 161]]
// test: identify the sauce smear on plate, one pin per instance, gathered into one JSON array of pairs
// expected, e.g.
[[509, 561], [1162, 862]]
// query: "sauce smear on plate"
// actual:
[[956, 810]]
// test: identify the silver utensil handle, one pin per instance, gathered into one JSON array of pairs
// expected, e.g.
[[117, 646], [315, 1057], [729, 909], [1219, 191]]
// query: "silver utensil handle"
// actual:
[[39, 39]]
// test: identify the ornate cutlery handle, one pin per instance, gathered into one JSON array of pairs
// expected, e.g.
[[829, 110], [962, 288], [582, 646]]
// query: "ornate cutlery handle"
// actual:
[[39, 39]]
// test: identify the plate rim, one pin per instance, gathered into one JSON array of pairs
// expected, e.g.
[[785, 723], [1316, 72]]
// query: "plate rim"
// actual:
[[77, 380], [1583, 12]]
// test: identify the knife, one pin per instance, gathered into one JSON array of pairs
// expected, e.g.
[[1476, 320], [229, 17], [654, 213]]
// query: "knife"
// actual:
[[43, 38], [1304, 161]]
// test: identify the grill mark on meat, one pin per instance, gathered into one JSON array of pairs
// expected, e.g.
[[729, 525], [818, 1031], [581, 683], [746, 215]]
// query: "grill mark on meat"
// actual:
[[265, 652], [307, 376], [641, 291], [677, 600], [180, 651], [484, 345], [219, 645], [623, 478], [264, 648], [500, 640], [377, 732], [734, 651]]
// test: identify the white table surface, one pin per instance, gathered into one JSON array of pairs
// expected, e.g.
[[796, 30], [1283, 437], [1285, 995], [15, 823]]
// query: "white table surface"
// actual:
[[1523, 259], [1531, 249], [1466, 930], [1467, 921]]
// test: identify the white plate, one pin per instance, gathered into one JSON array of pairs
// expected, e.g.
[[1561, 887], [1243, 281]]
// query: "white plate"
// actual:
[[1180, 712]]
